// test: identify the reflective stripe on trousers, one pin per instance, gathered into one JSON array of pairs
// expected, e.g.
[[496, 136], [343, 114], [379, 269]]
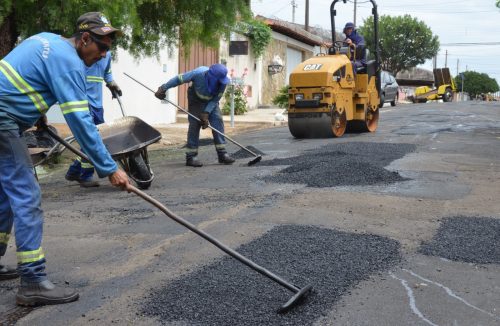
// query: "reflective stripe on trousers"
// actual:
[[20, 205], [196, 106]]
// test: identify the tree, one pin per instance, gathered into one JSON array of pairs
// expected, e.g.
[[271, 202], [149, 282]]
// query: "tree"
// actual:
[[405, 42], [498, 3], [149, 25], [476, 83]]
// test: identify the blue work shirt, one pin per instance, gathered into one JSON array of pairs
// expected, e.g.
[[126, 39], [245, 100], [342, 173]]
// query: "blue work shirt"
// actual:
[[96, 74], [200, 86], [42, 70], [357, 40]]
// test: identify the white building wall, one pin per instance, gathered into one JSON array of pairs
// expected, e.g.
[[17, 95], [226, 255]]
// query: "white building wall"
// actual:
[[137, 100]]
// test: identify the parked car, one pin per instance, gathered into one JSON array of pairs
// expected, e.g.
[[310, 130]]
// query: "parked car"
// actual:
[[389, 88]]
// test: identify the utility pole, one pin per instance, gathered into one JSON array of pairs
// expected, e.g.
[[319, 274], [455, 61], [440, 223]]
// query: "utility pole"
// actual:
[[446, 59], [434, 62], [458, 60], [354, 20], [294, 5], [307, 16]]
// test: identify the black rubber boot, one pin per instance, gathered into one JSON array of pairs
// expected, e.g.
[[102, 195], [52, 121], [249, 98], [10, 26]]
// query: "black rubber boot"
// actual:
[[193, 161], [225, 159], [89, 183], [7, 273], [43, 293]]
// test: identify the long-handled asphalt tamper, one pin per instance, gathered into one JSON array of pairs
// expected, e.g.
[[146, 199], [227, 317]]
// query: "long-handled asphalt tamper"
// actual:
[[299, 293], [252, 162]]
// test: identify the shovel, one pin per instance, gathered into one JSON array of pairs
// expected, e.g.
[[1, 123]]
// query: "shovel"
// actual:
[[299, 293], [252, 162]]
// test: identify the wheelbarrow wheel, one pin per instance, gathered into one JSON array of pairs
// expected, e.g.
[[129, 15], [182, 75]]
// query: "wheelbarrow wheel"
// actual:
[[139, 171]]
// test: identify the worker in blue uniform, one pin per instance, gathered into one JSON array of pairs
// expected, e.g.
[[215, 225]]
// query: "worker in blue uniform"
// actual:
[[82, 171], [44, 69], [355, 40], [207, 87]]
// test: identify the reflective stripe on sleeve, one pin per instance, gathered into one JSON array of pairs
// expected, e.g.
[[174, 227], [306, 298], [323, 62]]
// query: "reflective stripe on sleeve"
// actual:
[[23, 87], [180, 78], [4, 238], [75, 106], [95, 79], [24, 257]]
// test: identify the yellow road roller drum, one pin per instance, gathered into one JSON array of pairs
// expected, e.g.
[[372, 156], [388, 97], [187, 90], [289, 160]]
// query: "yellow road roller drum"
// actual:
[[326, 97]]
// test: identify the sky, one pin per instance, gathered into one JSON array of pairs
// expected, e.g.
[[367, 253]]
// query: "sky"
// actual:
[[453, 21]]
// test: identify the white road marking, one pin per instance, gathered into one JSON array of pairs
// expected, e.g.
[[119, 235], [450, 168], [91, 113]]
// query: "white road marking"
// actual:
[[413, 305], [451, 294]]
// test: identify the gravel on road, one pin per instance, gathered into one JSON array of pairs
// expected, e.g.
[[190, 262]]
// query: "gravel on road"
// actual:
[[466, 239], [227, 292], [344, 164]]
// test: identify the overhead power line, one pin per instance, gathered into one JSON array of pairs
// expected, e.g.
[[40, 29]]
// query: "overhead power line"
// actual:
[[470, 44]]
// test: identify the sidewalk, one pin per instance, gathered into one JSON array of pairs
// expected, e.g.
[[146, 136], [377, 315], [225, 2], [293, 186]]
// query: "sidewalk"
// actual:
[[176, 133]]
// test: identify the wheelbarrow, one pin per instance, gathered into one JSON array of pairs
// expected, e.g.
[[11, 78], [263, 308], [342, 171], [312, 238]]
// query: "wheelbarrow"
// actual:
[[126, 139]]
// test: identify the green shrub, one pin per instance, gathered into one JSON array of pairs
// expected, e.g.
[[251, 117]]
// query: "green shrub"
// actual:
[[281, 99], [240, 101]]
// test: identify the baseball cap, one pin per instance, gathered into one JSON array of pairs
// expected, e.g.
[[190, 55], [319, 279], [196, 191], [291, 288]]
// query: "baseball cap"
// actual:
[[349, 25], [219, 72], [96, 23]]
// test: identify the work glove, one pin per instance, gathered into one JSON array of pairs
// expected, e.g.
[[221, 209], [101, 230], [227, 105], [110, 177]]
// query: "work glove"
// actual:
[[41, 122], [161, 93], [114, 88], [204, 120]]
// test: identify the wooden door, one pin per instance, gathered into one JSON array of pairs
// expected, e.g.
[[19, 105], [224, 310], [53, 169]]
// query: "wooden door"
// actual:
[[198, 56]]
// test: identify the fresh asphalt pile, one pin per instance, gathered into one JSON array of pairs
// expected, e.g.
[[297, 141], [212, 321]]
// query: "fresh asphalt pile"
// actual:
[[244, 154], [466, 239], [343, 164], [227, 292]]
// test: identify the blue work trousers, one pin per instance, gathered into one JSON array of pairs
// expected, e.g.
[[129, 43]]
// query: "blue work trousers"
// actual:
[[85, 170], [20, 205], [196, 106]]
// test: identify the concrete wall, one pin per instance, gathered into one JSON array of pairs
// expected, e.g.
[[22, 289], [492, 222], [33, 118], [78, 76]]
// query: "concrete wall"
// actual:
[[137, 100], [272, 83], [236, 65]]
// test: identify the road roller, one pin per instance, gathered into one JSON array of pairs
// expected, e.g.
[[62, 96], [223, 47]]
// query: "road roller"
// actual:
[[327, 97]]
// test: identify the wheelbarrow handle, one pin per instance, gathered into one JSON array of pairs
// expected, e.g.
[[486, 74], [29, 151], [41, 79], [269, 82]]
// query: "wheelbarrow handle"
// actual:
[[119, 98], [64, 142]]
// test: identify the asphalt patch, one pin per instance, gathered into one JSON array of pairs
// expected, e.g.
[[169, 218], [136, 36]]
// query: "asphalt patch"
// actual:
[[227, 292], [343, 164], [466, 239], [244, 154]]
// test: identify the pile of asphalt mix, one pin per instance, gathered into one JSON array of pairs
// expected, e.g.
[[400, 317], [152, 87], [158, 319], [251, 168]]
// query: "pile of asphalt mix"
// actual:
[[244, 154], [343, 164], [466, 239], [227, 292]]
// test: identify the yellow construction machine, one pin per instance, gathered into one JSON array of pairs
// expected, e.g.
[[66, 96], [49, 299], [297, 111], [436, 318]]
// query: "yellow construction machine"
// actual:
[[445, 87], [326, 97]]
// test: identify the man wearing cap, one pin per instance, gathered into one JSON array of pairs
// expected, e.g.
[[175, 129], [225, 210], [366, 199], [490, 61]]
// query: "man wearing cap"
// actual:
[[353, 39], [44, 69], [82, 171], [206, 90]]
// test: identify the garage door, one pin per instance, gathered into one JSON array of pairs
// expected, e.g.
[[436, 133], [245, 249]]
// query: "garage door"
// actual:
[[293, 58]]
